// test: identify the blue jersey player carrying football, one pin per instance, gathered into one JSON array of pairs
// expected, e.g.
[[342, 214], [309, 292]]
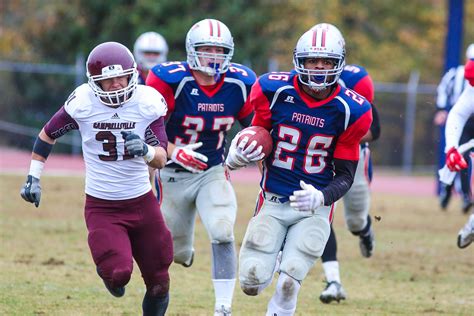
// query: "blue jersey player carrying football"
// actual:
[[205, 95], [357, 199], [316, 126]]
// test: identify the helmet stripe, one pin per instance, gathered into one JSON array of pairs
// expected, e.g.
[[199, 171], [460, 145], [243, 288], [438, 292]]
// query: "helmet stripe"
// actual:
[[323, 37], [218, 29], [211, 28], [314, 38]]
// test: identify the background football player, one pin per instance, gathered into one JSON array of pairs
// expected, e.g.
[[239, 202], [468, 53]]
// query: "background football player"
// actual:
[[357, 199], [206, 95], [122, 129], [150, 49], [316, 126], [456, 126]]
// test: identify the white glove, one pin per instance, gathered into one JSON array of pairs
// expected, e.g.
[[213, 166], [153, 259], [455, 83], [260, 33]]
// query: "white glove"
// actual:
[[189, 159], [239, 157], [308, 199]]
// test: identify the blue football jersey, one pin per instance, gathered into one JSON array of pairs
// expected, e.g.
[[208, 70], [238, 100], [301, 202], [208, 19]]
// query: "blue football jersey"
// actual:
[[307, 134], [355, 77], [199, 113]]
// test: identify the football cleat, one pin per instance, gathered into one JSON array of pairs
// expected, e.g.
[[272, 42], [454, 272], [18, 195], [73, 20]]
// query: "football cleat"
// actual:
[[223, 311], [366, 244], [333, 292], [466, 234]]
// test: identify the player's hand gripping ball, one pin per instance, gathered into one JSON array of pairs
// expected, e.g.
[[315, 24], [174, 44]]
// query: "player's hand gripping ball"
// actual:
[[260, 135]]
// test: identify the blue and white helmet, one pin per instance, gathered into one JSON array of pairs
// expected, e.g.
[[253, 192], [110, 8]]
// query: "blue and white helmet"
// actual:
[[321, 41], [209, 32]]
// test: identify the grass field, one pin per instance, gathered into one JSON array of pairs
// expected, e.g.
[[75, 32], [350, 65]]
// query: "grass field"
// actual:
[[46, 267]]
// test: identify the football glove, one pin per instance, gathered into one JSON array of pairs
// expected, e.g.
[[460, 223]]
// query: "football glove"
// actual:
[[135, 146], [190, 160], [454, 160], [308, 199], [239, 157], [31, 190]]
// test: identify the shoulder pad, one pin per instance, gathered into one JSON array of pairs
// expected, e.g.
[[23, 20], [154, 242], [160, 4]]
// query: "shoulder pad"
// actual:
[[172, 71], [80, 101], [151, 102], [241, 72]]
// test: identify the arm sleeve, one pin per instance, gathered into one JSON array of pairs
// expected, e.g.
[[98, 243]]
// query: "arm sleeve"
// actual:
[[162, 87], [246, 121], [261, 106], [343, 179], [60, 124], [155, 134], [458, 117], [375, 126]]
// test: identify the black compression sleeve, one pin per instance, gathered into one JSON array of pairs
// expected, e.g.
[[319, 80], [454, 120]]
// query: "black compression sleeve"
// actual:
[[343, 179], [245, 122], [375, 126]]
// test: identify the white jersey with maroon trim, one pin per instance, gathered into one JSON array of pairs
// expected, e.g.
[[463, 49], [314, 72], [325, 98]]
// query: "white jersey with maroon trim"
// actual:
[[111, 173]]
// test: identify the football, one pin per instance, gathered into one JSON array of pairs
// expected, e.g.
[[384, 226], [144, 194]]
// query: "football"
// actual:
[[259, 134]]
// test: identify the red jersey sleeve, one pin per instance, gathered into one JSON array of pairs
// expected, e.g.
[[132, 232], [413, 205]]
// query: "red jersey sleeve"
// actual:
[[347, 146], [365, 87], [261, 106], [162, 87]]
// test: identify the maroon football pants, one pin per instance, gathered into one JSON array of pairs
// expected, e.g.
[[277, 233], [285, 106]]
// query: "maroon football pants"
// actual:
[[122, 229]]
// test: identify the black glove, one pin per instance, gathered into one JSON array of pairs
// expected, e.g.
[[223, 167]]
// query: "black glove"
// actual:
[[31, 190], [135, 146]]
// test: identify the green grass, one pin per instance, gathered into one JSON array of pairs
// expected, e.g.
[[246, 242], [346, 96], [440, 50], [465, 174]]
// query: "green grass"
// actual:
[[46, 267]]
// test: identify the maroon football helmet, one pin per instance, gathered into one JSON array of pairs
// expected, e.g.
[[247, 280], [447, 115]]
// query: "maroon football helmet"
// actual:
[[109, 60]]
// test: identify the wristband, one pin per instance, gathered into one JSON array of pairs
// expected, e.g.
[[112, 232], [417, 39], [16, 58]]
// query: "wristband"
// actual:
[[150, 155], [36, 168], [42, 148]]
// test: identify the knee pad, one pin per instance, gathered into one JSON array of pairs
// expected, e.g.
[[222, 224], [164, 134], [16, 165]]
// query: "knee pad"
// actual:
[[182, 249], [120, 277], [160, 289], [253, 273], [221, 231]]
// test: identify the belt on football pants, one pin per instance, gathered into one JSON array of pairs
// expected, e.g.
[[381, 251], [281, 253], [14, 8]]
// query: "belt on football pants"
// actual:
[[276, 198]]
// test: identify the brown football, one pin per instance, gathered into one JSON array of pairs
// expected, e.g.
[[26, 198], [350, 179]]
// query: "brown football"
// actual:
[[259, 134]]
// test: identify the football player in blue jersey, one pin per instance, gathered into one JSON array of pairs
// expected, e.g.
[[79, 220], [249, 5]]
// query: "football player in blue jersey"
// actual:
[[149, 49], [316, 126], [357, 199], [206, 95]]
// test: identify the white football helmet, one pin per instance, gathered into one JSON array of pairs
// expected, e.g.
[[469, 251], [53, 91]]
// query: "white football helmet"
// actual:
[[110, 60], [470, 51], [321, 41], [150, 42], [209, 32]]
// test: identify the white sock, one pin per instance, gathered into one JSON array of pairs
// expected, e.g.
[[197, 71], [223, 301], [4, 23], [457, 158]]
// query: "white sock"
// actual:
[[284, 302], [223, 291], [331, 270]]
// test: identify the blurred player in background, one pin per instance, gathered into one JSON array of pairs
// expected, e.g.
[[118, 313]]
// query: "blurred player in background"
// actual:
[[122, 129], [357, 199], [460, 129], [206, 95], [450, 88], [149, 50], [316, 126]]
